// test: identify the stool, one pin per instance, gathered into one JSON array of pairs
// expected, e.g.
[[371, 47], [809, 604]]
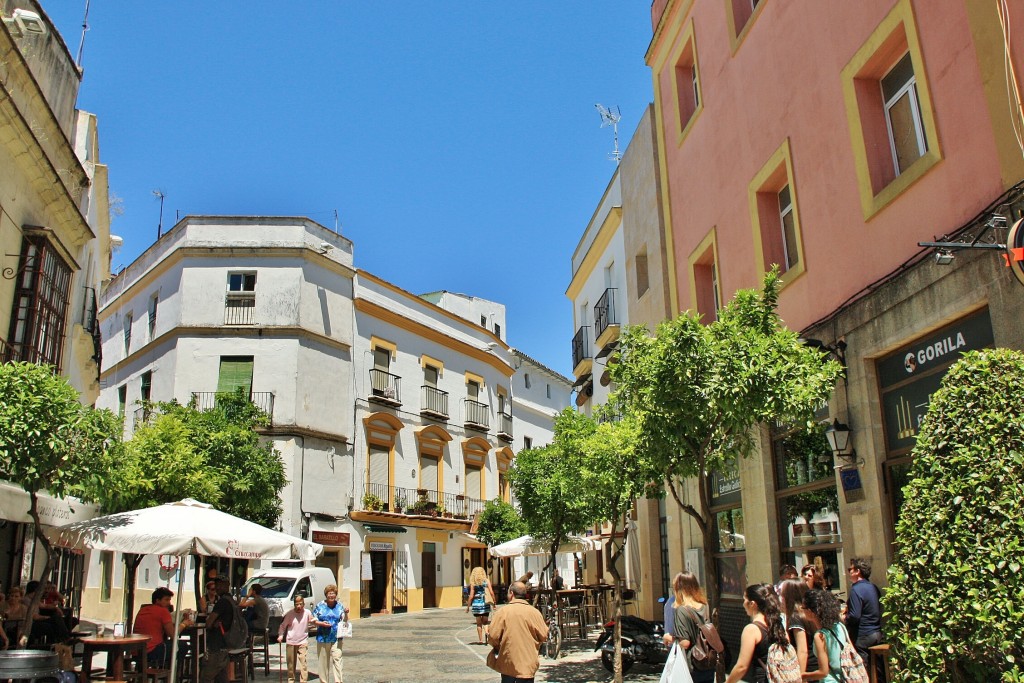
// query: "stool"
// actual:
[[260, 643], [242, 659], [878, 658], [592, 609]]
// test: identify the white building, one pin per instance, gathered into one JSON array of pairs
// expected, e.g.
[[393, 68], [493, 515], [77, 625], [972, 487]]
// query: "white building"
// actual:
[[395, 416]]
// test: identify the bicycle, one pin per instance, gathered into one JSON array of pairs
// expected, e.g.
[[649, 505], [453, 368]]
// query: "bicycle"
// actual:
[[552, 647]]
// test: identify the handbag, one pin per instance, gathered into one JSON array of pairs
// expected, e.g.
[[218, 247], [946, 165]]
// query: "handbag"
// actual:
[[344, 629], [676, 669]]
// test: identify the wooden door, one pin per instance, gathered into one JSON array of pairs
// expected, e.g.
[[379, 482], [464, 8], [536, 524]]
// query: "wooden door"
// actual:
[[428, 570]]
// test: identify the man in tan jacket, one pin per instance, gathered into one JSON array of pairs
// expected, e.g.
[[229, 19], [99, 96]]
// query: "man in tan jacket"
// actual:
[[516, 634]]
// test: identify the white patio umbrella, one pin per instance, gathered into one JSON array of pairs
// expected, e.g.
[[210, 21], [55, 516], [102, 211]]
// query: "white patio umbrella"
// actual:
[[183, 528], [528, 545]]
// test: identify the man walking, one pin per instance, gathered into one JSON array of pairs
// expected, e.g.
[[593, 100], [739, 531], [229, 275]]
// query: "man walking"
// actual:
[[864, 608], [516, 634], [218, 622]]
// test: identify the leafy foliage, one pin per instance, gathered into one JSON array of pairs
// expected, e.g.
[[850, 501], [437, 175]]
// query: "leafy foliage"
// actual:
[[697, 391], [499, 522], [955, 604]]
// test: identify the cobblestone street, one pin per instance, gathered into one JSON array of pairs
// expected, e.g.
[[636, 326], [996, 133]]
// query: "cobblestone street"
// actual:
[[435, 646]]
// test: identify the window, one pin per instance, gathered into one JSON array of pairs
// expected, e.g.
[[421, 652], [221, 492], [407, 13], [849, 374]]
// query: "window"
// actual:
[[808, 500], [473, 390], [428, 472], [147, 385], [379, 472], [235, 374], [430, 375], [382, 359], [122, 400], [775, 216], [687, 86], [705, 291], [40, 304], [153, 303], [740, 15], [240, 304], [106, 574], [903, 115], [526, 379], [483, 321], [527, 442], [730, 531], [128, 319], [642, 281], [890, 111], [474, 481], [547, 390], [497, 330]]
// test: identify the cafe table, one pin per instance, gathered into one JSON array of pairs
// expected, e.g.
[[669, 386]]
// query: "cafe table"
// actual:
[[195, 640], [118, 649]]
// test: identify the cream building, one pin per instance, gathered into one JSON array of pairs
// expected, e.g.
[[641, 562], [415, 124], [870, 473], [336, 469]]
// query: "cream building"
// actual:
[[54, 242]]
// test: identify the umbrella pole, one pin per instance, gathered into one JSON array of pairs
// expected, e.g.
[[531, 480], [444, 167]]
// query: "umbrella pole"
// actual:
[[177, 617]]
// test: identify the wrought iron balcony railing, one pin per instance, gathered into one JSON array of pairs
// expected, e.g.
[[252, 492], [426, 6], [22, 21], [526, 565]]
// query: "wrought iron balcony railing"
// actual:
[[477, 414], [434, 402], [580, 346], [89, 310], [604, 312], [422, 502], [206, 400], [239, 310], [385, 387], [505, 426]]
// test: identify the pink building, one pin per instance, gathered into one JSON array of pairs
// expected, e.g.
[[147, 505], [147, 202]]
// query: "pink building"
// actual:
[[832, 138]]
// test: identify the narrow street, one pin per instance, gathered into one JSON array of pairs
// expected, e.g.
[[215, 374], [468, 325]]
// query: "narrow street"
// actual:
[[435, 646]]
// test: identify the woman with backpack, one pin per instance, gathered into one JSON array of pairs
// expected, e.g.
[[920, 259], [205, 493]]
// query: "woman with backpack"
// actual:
[[691, 610], [765, 629], [825, 608]]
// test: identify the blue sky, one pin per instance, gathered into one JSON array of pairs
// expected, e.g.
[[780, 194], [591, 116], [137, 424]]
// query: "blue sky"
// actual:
[[458, 141]]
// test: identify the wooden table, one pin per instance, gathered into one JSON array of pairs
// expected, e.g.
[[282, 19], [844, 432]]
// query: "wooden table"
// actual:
[[132, 647], [195, 636]]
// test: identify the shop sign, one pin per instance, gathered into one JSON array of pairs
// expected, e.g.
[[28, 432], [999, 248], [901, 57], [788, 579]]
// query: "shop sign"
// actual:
[[335, 538], [912, 374], [382, 546], [1014, 256], [725, 484]]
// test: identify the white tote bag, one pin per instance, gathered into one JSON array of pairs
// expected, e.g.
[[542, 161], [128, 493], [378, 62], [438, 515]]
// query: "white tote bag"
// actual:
[[676, 669]]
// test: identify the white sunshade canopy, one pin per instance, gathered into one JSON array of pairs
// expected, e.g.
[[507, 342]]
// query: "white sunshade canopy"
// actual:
[[183, 528], [527, 545]]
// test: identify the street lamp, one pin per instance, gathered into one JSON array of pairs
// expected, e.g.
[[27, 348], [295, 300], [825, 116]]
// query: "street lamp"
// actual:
[[838, 435]]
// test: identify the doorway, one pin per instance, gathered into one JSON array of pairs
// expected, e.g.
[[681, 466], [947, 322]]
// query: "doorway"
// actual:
[[381, 572], [428, 568]]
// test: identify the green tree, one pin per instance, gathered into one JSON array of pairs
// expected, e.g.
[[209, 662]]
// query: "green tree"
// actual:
[[48, 442], [955, 603], [499, 522], [699, 390]]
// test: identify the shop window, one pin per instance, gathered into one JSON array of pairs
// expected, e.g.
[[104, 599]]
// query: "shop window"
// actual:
[[808, 500], [730, 532], [40, 304], [890, 111], [775, 216]]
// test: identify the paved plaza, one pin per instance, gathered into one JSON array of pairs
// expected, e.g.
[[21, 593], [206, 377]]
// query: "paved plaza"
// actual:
[[436, 646]]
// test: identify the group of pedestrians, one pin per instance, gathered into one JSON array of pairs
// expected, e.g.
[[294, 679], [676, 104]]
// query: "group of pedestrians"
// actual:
[[797, 613]]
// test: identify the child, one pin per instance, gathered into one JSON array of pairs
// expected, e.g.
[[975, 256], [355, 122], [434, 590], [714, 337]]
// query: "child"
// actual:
[[294, 632]]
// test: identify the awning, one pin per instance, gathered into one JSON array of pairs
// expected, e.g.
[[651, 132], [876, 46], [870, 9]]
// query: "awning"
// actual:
[[384, 528], [14, 505]]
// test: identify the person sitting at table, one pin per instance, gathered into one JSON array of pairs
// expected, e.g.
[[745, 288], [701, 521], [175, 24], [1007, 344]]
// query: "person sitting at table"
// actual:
[[14, 613], [47, 620], [255, 609], [154, 621], [557, 582]]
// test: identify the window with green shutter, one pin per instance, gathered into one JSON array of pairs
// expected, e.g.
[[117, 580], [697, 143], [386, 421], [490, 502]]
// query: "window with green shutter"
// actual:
[[235, 373]]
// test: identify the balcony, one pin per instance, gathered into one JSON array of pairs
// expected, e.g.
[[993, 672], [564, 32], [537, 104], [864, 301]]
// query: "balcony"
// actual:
[[477, 415], [505, 427], [582, 362], [385, 388], [5, 351], [89, 311], [606, 322], [419, 502], [433, 403], [206, 400], [239, 310], [141, 416]]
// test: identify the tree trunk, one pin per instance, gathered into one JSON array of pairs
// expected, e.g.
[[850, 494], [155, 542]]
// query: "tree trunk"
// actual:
[[25, 630], [197, 583], [131, 568], [614, 571]]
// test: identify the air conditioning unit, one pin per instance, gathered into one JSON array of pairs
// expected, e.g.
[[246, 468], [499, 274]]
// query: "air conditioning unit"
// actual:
[[24, 22]]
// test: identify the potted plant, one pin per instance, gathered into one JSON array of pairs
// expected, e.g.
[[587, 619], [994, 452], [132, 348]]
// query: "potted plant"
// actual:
[[372, 503], [399, 502]]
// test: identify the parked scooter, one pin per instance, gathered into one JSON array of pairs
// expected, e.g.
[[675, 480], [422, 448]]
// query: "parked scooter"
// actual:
[[641, 642]]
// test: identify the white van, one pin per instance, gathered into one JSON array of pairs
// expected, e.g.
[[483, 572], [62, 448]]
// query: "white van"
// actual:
[[283, 581]]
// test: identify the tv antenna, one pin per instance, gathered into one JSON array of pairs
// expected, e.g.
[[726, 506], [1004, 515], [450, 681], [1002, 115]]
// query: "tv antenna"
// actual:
[[611, 118], [85, 27], [160, 194]]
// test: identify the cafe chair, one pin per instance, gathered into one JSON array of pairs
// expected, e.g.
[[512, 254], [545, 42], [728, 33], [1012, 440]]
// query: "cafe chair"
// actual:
[[259, 644], [242, 659], [592, 608], [629, 601]]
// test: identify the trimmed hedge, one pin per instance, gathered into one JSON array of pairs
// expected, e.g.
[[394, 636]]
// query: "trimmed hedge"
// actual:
[[955, 604]]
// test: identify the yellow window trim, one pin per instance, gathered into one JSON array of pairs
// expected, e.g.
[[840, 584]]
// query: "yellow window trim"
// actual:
[[378, 343], [781, 156], [900, 15], [686, 39], [595, 252], [432, 536], [473, 377], [710, 241], [666, 198], [426, 360], [736, 39]]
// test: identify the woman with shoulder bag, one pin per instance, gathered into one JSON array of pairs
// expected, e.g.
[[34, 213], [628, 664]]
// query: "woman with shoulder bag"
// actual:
[[691, 610], [765, 628], [481, 597], [825, 608], [800, 626]]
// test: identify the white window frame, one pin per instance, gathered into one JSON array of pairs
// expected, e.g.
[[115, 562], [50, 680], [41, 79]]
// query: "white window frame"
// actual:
[[915, 109], [785, 211], [243, 274]]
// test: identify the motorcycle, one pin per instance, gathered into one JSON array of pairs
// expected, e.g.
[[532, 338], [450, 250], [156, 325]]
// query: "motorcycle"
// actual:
[[641, 642]]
